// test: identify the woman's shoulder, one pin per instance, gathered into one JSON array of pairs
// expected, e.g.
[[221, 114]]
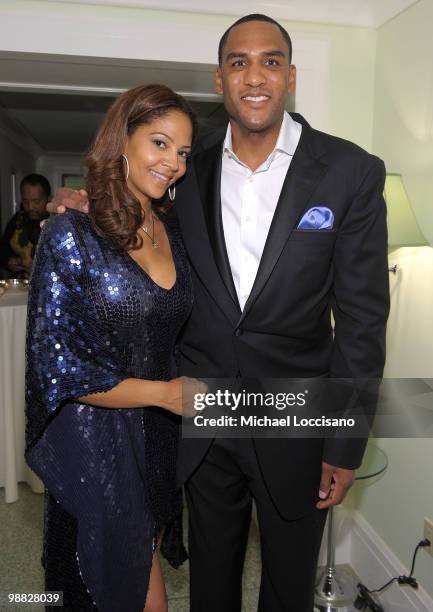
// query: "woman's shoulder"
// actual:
[[66, 236], [69, 225]]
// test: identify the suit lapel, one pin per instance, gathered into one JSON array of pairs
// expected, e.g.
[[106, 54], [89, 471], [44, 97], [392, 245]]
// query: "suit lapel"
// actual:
[[208, 169], [201, 233], [305, 172]]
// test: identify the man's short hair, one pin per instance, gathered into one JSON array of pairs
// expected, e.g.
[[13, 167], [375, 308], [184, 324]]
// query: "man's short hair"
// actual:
[[37, 179], [253, 17]]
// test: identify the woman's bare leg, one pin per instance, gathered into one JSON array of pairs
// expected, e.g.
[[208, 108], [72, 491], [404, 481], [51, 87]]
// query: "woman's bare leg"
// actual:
[[156, 600]]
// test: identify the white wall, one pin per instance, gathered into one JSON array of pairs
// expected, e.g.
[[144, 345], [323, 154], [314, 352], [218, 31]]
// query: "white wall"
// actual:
[[403, 137], [17, 156], [403, 114], [396, 505], [351, 81], [54, 166]]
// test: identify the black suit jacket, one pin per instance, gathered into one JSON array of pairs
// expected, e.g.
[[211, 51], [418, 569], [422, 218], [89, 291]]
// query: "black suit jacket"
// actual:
[[285, 328]]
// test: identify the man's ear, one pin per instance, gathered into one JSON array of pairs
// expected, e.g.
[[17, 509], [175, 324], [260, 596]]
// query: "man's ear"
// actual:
[[218, 81], [292, 78]]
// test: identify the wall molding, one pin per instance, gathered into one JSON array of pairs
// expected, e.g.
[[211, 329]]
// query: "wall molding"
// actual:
[[375, 563], [93, 91], [360, 546]]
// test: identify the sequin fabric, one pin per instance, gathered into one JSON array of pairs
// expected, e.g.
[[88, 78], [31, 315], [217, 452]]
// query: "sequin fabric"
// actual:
[[95, 318]]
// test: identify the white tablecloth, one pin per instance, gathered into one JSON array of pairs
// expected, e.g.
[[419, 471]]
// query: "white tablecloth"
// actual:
[[13, 468]]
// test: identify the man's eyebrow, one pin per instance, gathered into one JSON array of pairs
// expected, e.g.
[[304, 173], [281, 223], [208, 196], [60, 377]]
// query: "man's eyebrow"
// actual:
[[275, 53], [242, 54], [234, 54]]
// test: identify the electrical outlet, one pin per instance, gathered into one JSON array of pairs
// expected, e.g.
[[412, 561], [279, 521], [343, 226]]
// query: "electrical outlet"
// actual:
[[428, 533]]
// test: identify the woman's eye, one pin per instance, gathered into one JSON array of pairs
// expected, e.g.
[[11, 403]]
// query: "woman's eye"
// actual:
[[159, 143], [185, 154]]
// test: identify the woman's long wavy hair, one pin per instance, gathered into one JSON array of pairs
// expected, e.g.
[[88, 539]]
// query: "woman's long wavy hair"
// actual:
[[114, 211]]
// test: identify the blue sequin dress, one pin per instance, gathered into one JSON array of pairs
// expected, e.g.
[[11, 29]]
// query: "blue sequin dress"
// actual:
[[95, 318]]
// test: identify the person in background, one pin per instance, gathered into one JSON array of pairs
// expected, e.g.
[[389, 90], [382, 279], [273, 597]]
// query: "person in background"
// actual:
[[18, 243]]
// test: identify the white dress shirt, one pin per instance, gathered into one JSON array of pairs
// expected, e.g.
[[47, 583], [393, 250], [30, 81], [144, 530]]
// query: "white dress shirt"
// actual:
[[248, 203]]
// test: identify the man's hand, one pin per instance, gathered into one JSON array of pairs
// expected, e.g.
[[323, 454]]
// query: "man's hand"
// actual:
[[69, 198], [334, 484], [15, 265]]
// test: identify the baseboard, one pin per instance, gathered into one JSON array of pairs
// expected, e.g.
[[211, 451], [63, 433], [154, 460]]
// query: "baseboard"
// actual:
[[375, 563], [358, 544]]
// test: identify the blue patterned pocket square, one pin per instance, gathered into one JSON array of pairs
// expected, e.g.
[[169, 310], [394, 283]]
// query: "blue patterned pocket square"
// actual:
[[317, 218]]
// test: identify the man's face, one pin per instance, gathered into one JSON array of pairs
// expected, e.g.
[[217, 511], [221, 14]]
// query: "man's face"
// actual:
[[255, 75], [34, 201]]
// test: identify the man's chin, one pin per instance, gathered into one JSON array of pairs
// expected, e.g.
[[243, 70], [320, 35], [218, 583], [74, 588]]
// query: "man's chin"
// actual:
[[256, 123], [257, 127]]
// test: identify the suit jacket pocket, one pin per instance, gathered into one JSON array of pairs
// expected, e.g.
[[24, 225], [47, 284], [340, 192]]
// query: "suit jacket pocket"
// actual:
[[327, 236], [311, 252]]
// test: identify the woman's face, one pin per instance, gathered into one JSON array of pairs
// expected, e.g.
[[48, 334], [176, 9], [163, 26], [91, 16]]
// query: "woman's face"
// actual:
[[157, 153]]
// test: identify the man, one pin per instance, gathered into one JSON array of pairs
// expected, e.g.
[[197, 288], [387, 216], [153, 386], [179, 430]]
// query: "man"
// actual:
[[264, 288], [18, 243]]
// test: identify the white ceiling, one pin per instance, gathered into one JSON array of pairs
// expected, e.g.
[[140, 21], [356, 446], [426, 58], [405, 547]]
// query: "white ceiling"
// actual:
[[368, 13]]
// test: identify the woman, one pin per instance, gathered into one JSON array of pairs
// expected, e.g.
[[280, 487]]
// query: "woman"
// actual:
[[109, 293]]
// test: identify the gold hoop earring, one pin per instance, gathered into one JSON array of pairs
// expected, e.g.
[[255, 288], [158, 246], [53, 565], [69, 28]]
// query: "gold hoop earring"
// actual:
[[127, 166], [172, 192]]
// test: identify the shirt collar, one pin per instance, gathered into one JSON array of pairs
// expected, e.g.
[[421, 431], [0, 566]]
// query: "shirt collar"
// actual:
[[287, 140]]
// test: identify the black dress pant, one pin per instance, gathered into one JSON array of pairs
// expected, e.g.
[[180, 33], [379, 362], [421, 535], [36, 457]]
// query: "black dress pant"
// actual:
[[219, 497]]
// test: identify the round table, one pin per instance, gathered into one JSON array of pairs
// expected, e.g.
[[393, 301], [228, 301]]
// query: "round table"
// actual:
[[13, 468]]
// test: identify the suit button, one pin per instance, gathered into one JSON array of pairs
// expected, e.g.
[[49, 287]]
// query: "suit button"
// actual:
[[238, 333]]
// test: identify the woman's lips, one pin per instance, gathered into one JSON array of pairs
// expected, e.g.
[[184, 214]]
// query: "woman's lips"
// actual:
[[161, 178]]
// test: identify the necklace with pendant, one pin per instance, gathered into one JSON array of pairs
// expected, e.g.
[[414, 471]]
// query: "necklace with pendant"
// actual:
[[151, 237]]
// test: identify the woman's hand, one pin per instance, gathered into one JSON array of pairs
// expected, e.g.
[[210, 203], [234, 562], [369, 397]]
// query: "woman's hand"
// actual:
[[180, 393]]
